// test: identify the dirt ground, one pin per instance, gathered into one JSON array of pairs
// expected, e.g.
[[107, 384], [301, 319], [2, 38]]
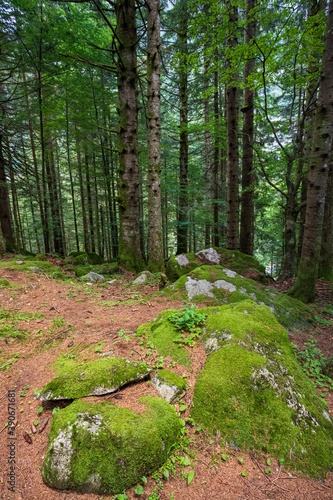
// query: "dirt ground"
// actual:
[[81, 321]]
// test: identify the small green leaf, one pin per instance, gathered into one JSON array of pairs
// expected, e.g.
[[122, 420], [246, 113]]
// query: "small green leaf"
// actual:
[[138, 490], [281, 460], [268, 471], [40, 409], [224, 457], [323, 394], [122, 496], [190, 477], [211, 441], [268, 461], [183, 408], [241, 460], [244, 473], [144, 479], [166, 473]]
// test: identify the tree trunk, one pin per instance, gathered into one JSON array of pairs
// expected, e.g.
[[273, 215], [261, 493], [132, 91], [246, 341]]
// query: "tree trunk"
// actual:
[[232, 136], [2, 243], [182, 226], [5, 214], [129, 238], [215, 236], [326, 251], [305, 285], [155, 243], [247, 205]]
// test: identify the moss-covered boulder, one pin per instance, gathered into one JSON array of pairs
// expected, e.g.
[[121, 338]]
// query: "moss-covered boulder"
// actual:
[[215, 285], [105, 449], [253, 390], [243, 264], [169, 385], [84, 259], [102, 376]]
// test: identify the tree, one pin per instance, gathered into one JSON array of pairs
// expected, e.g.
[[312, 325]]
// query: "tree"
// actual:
[[128, 189], [155, 244], [232, 133], [247, 205], [305, 284]]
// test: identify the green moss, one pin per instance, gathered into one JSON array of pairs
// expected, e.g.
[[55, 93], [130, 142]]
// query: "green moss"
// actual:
[[24, 267], [4, 283], [114, 445], [174, 270], [171, 378], [162, 334], [82, 270], [77, 380], [254, 391], [291, 313]]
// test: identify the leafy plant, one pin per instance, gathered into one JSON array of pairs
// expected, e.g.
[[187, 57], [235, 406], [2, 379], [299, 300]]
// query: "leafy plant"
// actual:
[[323, 321], [55, 410], [313, 362], [188, 319]]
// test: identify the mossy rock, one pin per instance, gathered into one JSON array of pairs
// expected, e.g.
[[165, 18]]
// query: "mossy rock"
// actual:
[[169, 385], [215, 285], [82, 270], [108, 268], [106, 449], [243, 264], [253, 390], [12, 248], [86, 258], [4, 283], [102, 376]]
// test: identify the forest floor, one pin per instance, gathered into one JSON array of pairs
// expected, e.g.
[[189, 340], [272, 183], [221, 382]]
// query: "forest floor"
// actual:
[[79, 322]]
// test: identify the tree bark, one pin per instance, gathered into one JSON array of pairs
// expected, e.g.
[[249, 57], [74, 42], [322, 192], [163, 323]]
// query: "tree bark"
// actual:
[[232, 135], [305, 285], [326, 251], [2, 243], [129, 238], [5, 213], [155, 242], [247, 205], [182, 226]]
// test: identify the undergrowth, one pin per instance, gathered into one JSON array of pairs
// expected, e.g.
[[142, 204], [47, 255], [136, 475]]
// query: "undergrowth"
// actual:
[[313, 361]]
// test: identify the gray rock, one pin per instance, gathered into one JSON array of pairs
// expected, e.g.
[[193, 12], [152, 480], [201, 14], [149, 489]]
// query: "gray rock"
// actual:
[[19, 262], [35, 269], [203, 287], [169, 385], [210, 254], [182, 260], [94, 277], [110, 282], [142, 278]]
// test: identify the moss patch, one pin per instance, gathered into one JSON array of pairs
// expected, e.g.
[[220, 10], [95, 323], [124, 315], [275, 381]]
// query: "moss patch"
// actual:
[[162, 334], [243, 264], [215, 285], [170, 386], [254, 391], [106, 449], [102, 376]]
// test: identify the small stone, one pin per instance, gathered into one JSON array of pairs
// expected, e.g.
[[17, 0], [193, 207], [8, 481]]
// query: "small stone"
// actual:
[[110, 282], [142, 278], [94, 277], [19, 262], [35, 269]]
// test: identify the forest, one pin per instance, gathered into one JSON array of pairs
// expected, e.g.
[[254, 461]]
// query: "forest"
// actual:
[[140, 130]]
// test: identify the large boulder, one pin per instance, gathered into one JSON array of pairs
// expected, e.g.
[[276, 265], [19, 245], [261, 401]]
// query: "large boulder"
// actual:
[[243, 264], [216, 285], [102, 376], [253, 390], [105, 449], [84, 258]]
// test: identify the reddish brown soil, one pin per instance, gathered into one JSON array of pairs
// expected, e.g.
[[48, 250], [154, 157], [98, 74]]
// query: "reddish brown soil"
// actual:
[[82, 309]]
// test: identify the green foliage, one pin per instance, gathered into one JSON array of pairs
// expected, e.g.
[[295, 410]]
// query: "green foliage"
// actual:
[[313, 361], [188, 319], [10, 318]]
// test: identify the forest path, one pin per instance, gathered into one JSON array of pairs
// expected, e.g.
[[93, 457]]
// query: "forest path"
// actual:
[[79, 322]]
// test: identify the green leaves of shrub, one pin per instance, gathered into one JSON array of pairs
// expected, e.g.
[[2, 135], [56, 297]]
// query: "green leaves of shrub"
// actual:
[[190, 477], [188, 319]]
